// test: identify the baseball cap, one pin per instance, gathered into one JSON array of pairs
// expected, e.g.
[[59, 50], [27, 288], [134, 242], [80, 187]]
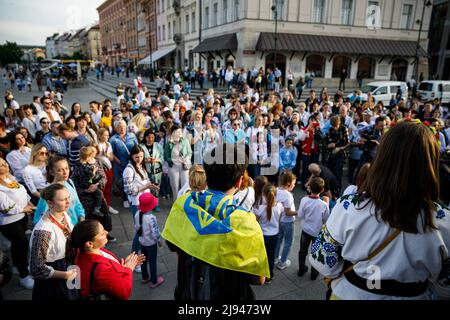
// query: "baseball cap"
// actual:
[[147, 202]]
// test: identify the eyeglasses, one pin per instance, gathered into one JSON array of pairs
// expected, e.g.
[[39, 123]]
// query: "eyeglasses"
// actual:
[[47, 103], [42, 153], [236, 124], [45, 122]]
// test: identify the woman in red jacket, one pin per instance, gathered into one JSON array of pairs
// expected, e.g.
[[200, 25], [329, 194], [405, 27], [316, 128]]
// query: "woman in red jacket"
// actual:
[[310, 147], [112, 277]]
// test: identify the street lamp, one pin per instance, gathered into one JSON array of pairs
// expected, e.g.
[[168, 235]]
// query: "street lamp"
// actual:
[[416, 71], [275, 12]]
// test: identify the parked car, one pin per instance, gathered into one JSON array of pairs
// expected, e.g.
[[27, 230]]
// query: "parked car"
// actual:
[[435, 89], [384, 90]]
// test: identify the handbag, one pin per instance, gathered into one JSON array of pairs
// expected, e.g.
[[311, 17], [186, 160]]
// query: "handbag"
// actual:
[[349, 266], [94, 296]]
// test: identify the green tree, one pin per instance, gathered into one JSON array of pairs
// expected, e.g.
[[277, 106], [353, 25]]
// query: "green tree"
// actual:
[[10, 53]]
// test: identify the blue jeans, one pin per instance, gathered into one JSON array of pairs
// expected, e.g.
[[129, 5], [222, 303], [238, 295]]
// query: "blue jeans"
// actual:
[[286, 234], [150, 253], [136, 246]]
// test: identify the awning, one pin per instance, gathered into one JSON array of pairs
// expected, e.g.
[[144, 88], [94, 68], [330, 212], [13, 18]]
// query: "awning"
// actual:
[[225, 42], [337, 45], [157, 55]]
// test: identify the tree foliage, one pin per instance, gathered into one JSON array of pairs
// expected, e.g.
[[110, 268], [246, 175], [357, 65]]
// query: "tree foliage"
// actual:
[[10, 53]]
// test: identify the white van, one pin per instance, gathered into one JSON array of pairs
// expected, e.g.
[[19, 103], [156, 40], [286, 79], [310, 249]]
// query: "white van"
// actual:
[[384, 90], [429, 90]]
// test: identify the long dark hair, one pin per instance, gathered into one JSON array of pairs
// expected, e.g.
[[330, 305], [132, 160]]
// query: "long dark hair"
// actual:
[[260, 183], [403, 181], [83, 232], [12, 140], [136, 150], [270, 192]]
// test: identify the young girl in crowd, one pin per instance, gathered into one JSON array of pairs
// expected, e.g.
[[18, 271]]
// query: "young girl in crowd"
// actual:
[[196, 182], [245, 196], [149, 237], [268, 216], [106, 157], [285, 197], [313, 213], [288, 155]]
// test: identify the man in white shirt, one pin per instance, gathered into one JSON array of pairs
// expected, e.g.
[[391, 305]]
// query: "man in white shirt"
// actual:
[[229, 75], [48, 112], [96, 114]]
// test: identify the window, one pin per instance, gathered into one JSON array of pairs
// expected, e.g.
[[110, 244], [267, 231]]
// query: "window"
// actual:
[[187, 24], [373, 15], [206, 23], [174, 27], [346, 13], [164, 32], [381, 90], [280, 10], [169, 30], [193, 22], [159, 34], [406, 16], [215, 12], [319, 11], [225, 11], [162, 5], [236, 10]]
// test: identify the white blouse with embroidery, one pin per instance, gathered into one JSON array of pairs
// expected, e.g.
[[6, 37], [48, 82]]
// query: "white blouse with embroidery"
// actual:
[[353, 232]]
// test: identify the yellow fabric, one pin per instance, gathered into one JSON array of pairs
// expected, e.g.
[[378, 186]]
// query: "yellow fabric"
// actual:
[[105, 122], [334, 297], [222, 235]]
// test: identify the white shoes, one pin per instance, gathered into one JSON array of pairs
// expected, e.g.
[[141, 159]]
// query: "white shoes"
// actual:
[[283, 266], [113, 211], [27, 282], [138, 269], [126, 204], [277, 260]]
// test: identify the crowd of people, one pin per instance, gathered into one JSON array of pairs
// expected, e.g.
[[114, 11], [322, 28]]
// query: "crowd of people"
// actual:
[[60, 166]]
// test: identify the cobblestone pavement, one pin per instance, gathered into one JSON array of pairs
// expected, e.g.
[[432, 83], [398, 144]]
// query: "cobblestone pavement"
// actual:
[[285, 285]]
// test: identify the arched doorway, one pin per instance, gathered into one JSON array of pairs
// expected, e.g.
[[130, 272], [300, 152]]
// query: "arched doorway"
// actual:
[[399, 69], [339, 63], [280, 63], [316, 63], [229, 61], [366, 68]]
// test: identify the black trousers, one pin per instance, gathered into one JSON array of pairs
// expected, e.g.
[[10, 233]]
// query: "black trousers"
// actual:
[[305, 241], [271, 244], [15, 233]]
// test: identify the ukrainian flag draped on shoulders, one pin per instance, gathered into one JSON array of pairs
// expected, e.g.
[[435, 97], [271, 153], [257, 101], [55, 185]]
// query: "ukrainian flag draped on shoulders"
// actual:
[[208, 226]]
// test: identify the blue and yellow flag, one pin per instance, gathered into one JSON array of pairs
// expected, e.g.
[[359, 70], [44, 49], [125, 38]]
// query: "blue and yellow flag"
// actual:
[[209, 227]]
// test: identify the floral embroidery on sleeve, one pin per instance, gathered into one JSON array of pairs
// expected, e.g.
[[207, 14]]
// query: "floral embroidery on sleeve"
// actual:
[[326, 250]]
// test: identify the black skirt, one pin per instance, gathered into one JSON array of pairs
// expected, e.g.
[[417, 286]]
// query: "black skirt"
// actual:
[[54, 289]]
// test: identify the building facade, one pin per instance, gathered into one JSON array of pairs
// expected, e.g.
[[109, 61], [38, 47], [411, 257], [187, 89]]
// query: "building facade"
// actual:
[[177, 34], [50, 47], [113, 30], [439, 48], [371, 39], [92, 43]]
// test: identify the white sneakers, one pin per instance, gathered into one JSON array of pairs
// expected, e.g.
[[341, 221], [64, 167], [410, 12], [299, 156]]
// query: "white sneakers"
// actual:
[[113, 211], [126, 204], [283, 266], [138, 269], [277, 260], [27, 282]]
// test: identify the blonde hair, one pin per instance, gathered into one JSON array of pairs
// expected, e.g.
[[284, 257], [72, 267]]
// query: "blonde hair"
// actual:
[[139, 121], [35, 150], [86, 152], [197, 178]]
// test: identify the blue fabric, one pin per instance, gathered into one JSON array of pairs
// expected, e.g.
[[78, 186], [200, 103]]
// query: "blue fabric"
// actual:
[[234, 137], [286, 234], [288, 158], [135, 246], [76, 209], [119, 150]]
